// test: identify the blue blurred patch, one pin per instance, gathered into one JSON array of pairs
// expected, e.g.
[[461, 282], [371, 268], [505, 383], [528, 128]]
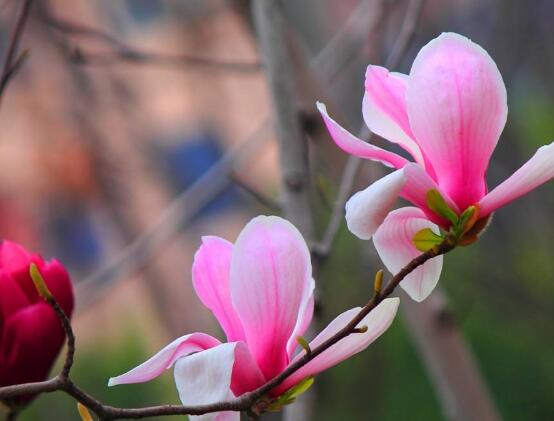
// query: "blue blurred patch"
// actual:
[[74, 238], [190, 159]]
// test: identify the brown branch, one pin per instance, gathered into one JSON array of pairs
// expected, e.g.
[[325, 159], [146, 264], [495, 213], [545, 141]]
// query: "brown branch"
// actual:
[[245, 402], [10, 67]]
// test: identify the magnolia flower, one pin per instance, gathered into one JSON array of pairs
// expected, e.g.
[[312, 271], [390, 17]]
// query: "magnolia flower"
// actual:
[[261, 292], [31, 335], [447, 114]]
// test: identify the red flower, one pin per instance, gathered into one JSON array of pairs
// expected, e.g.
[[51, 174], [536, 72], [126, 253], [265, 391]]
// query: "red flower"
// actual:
[[31, 335]]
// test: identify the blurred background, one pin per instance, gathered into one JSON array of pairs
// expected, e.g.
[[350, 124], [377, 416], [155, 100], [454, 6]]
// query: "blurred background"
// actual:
[[136, 126]]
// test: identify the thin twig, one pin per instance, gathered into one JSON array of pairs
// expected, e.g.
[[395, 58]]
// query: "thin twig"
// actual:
[[121, 52], [10, 66], [348, 178], [243, 403], [259, 197]]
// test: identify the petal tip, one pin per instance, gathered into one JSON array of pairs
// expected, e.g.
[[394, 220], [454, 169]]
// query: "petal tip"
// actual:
[[113, 382]]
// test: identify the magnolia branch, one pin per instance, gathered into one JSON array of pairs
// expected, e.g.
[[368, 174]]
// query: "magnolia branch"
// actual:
[[252, 402]]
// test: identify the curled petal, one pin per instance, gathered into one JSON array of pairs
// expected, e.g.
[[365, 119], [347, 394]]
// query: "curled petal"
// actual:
[[393, 241], [538, 170], [384, 109], [366, 210], [357, 147], [210, 277], [377, 322], [205, 378], [271, 275], [304, 317], [165, 358], [457, 108]]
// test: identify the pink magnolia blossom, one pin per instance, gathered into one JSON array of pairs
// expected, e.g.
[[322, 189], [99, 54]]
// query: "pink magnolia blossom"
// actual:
[[261, 292], [447, 114]]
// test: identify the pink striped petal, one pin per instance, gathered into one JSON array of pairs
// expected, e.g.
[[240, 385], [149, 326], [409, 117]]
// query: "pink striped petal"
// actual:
[[456, 102], [384, 109], [352, 145], [165, 358], [270, 274], [205, 378], [377, 322], [247, 376], [304, 317], [366, 210], [418, 183], [210, 277], [538, 170], [393, 241]]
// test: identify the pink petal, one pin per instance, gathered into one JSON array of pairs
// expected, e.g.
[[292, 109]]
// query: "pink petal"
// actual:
[[352, 145], [165, 358], [205, 378], [30, 341], [210, 277], [12, 297], [536, 171], [366, 210], [270, 274], [247, 376], [418, 183], [15, 260], [384, 109], [377, 322], [457, 109], [57, 279], [393, 241], [304, 317]]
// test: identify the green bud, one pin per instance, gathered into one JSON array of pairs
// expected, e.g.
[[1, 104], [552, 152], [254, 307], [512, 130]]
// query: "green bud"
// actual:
[[378, 282], [437, 204], [290, 395], [40, 285], [304, 344], [426, 239]]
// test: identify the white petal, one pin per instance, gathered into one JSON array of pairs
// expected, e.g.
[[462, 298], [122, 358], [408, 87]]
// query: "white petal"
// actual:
[[205, 378], [393, 241], [367, 209]]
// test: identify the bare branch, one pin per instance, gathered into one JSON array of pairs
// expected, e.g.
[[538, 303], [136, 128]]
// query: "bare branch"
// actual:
[[259, 197], [121, 52], [10, 66]]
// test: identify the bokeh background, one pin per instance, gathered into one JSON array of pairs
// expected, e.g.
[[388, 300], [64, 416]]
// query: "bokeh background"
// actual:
[[136, 126]]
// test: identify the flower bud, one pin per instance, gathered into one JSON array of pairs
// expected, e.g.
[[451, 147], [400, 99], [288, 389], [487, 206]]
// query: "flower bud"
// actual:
[[31, 335]]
